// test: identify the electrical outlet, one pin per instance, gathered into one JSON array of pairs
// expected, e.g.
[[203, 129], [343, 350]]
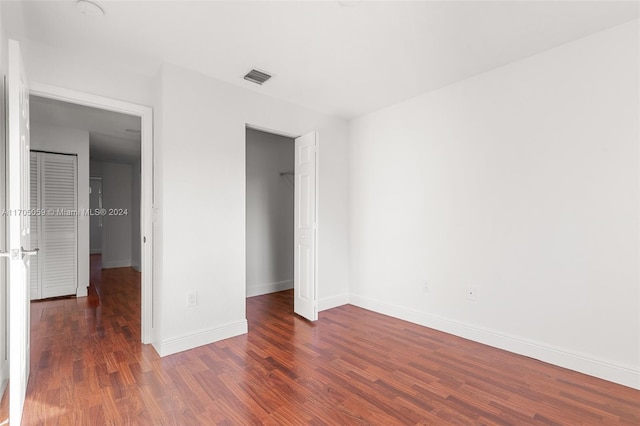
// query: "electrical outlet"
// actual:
[[472, 293], [192, 299], [426, 286]]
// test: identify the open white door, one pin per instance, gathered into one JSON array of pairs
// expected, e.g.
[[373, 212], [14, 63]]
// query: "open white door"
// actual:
[[304, 271], [18, 232]]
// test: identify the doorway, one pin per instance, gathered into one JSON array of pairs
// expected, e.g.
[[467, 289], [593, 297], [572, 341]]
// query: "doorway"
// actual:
[[70, 143], [115, 226], [281, 217], [269, 212], [140, 168]]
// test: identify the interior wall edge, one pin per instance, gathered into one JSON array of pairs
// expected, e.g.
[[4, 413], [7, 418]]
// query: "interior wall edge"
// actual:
[[327, 303]]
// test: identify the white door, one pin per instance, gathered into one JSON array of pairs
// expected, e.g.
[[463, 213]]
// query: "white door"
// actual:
[[18, 232], [305, 222]]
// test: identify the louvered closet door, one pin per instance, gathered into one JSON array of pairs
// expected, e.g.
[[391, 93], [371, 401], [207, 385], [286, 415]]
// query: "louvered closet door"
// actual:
[[34, 274], [59, 231]]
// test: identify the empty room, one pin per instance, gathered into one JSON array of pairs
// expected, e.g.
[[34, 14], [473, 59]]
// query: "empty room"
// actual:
[[346, 212]]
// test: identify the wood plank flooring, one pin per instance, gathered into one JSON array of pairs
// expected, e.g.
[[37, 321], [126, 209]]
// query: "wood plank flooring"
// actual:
[[352, 367]]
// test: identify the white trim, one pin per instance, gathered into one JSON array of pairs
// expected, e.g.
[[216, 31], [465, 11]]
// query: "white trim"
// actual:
[[82, 291], [273, 132], [116, 264], [260, 289], [136, 266], [146, 199], [95, 251], [621, 374], [316, 240], [201, 338], [638, 145], [333, 302]]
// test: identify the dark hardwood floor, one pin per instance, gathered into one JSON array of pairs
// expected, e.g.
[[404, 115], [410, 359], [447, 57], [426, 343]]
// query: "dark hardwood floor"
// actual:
[[352, 366]]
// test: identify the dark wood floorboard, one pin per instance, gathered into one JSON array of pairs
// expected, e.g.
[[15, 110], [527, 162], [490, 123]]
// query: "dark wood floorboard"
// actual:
[[351, 367]]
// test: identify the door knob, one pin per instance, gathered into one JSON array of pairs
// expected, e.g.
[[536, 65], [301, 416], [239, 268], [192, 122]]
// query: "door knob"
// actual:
[[15, 254], [29, 252]]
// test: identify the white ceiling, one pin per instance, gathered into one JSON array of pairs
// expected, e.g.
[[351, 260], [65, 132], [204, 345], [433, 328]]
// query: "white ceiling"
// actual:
[[109, 139], [339, 60]]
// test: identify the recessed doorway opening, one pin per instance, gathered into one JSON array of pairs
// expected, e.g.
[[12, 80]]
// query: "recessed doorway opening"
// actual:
[[281, 217]]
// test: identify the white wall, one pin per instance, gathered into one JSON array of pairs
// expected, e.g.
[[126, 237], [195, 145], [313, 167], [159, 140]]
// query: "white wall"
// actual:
[[523, 184], [117, 229], [269, 212], [202, 203], [86, 72], [64, 140]]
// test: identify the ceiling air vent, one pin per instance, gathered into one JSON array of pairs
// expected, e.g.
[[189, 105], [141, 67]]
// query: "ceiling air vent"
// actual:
[[257, 77]]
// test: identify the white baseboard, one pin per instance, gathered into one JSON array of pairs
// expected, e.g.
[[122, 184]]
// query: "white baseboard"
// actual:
[[190, 341], [258, 290], [96, 251], [115, 264], [333, 302], [82, 291], [136, 266], [624, 375]]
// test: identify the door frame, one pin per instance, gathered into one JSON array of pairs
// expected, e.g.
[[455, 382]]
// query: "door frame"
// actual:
[[294, 135], [102, 238], [146, 185]]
